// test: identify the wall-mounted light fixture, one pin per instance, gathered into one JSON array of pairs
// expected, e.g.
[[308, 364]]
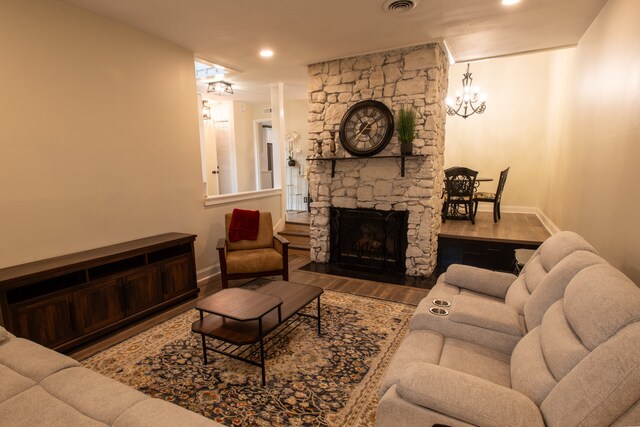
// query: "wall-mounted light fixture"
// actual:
[[206, 110], [466, 101], [220, 87]]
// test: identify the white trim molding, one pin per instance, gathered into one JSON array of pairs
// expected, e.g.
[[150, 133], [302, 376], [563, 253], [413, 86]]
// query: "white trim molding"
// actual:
[[207, 273], [548, 224], [226, 199]]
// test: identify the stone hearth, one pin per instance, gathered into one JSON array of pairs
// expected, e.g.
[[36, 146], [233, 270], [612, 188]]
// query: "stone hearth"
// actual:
[[415, 77]]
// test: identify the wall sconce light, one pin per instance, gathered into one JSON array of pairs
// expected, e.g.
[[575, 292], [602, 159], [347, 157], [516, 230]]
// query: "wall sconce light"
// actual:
[[466, 101], [206, 110], [220, 87]]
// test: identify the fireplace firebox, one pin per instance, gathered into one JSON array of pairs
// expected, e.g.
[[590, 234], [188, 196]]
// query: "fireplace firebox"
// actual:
[[368, 238]]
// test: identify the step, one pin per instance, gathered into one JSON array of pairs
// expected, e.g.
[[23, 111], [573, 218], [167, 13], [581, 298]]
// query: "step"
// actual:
[[296, 237], [296, 226], [299, 250]]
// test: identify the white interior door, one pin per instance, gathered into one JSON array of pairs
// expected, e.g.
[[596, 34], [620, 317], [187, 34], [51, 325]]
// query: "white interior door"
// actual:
[[224, 166], [212, 158], [266, 157]]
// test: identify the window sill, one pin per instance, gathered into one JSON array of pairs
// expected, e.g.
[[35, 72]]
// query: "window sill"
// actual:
[[225, 199]]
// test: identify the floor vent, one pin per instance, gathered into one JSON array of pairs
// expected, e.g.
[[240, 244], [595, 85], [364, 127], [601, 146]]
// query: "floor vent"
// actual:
[[397, 6]]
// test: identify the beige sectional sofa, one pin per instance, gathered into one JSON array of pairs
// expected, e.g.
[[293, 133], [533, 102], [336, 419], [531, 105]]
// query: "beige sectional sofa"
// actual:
[[557, 346], [40, 387]]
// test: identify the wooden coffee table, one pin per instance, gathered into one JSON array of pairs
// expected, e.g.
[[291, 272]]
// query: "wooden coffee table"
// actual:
[[238, 319]]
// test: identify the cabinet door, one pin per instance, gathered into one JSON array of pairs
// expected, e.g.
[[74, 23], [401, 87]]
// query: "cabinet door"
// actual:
[[142, 290], [99, 305], [178, 277], [47, 322]]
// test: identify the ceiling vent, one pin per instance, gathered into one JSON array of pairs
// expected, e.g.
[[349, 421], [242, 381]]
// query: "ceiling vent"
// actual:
[[399, 6]]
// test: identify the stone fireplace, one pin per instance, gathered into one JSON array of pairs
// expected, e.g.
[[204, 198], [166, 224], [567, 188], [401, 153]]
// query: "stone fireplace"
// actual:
[[414, 77], [368, 238]]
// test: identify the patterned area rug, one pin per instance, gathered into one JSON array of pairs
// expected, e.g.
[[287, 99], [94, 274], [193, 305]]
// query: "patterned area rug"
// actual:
[[331, 380]]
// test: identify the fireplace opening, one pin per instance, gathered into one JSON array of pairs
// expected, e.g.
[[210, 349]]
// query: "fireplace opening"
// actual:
[[368, 238]]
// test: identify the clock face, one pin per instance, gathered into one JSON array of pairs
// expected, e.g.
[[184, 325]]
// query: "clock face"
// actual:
[[366, 128]]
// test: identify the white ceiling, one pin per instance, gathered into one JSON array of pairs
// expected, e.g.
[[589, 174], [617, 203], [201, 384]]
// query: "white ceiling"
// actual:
[[302, 32]]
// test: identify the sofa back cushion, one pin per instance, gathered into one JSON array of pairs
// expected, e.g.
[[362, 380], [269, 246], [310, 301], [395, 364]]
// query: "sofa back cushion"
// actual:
[[547, 256], [582, 364], [264, 239], [552, 286]]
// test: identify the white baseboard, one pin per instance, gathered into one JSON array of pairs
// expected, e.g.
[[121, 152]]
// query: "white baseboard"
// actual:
[[548, 224], [207, 273]]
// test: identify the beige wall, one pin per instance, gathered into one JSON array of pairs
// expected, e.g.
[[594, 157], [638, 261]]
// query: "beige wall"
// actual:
[[99, 137], [592, 186], [568, 124], [512, 130]]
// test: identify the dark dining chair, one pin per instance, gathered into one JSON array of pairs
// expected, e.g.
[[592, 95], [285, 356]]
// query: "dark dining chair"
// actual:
[[494, 198], [459, 185]]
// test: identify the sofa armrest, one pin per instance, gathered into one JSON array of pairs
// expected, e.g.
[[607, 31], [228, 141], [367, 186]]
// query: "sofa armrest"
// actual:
[[486, 314], [467, 398], [480, 280]]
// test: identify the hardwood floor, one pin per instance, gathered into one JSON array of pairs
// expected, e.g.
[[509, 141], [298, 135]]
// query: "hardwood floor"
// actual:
[[512, 228], [299, 216], [397, 293]]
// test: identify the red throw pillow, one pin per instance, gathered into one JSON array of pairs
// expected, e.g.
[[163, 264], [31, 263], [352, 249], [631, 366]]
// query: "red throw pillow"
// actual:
[[244, 225]]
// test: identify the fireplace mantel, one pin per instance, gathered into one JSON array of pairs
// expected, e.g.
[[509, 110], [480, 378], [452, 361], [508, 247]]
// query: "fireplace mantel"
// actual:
[[333, 160]]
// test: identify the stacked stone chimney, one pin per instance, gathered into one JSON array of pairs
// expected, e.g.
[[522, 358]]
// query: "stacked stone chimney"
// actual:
[[414, 77]]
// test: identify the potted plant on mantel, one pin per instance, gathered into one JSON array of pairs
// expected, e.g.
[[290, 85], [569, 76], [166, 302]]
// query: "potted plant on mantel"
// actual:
[[406, 127]]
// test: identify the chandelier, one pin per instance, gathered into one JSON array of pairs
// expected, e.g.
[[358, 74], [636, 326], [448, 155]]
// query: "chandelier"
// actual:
[[220, 87], [468, 100]]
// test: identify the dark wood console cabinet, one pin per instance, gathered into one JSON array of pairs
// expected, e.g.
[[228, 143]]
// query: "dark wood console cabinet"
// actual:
[[66, 301]]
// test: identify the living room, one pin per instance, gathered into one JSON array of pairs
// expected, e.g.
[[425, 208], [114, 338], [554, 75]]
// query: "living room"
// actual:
[[101, 135]]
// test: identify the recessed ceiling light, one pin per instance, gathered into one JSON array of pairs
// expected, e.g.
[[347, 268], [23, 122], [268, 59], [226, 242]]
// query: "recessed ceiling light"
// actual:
[[266, 53], [509, 2]]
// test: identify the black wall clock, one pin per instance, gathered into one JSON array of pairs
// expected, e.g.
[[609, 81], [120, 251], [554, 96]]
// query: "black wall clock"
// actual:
[[366, 128]]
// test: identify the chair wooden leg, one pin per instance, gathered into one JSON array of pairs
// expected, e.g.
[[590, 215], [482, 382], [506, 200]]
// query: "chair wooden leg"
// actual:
[[475, 208], [225, 283], [498, 210], [445, 211], [472, 216], [495, 212]]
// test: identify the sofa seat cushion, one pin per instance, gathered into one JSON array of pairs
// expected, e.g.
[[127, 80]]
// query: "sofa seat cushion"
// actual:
[[31, 360], [91, 393], [158, 413], [36, 407], [253, 260], [4, 335], [425, 346], [476, 360], [12, 383]]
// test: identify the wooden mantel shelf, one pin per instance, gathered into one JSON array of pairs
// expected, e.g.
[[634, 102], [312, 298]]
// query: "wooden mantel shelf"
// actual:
[[333, 160]]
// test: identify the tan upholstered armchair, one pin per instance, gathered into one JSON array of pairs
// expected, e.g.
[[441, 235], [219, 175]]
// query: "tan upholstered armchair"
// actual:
[[265, 256]]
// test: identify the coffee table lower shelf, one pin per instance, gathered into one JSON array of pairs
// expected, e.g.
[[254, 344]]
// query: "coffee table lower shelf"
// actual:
[[253, 354], [248, 340]]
